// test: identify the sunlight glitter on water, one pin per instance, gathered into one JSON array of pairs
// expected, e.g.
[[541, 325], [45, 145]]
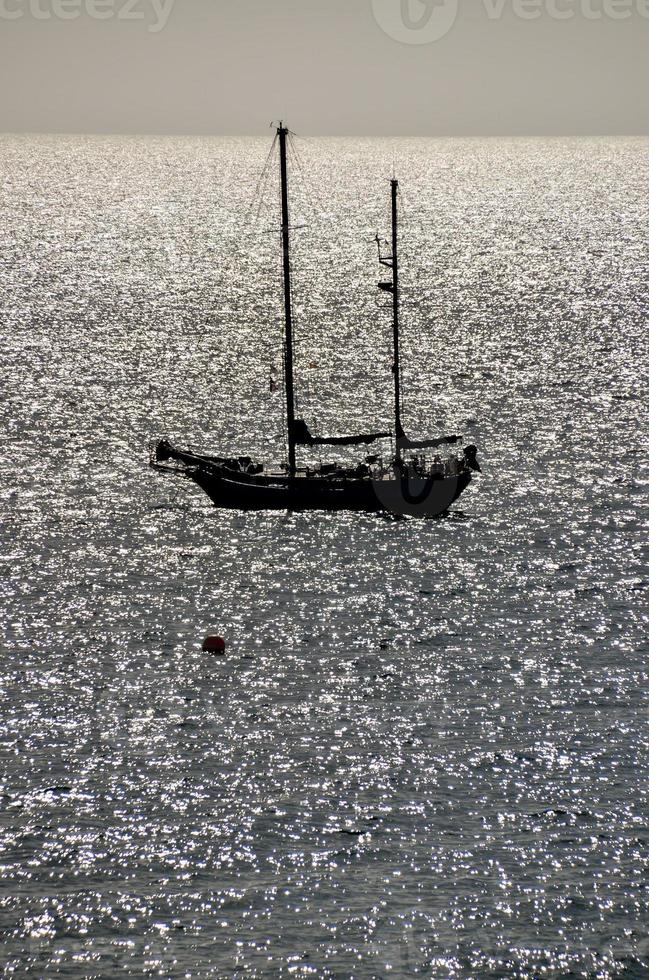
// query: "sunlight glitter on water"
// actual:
[[425, 752]]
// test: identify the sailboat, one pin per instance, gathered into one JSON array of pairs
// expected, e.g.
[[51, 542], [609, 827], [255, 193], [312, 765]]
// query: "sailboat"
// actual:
[[407, 482]]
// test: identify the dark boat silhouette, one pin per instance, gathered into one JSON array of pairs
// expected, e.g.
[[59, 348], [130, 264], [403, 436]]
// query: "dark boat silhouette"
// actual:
[[409, 483]]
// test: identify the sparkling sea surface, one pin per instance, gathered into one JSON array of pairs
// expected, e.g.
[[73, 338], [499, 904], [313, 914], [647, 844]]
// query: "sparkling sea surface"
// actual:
[[426, 752]]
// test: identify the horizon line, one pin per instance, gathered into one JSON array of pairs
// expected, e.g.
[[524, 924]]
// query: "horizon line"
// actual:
[[259, 135]]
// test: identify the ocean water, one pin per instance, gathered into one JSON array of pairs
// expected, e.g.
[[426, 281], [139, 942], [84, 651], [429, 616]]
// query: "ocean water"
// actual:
[[426, 752]]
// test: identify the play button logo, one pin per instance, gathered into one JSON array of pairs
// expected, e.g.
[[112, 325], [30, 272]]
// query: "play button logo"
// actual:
[[415, 21]]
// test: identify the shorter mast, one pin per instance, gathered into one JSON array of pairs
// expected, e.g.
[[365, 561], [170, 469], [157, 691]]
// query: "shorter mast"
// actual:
[[392, 262], [396, 367], [402, 442], [282, 132]]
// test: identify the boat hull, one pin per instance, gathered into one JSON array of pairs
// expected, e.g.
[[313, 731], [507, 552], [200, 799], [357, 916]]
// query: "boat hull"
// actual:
[[406, 497]]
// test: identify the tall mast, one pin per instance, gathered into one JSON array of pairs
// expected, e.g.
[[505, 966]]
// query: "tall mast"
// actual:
[[395, 305], [282, 132]]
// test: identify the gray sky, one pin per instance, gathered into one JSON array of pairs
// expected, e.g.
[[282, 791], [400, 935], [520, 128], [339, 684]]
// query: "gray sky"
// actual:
[[327, 66]]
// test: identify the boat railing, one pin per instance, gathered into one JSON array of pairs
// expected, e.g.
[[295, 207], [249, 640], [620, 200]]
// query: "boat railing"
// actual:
[[415, 468]]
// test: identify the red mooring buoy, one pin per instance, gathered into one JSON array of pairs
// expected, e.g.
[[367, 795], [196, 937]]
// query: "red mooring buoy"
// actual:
[[214, 644]]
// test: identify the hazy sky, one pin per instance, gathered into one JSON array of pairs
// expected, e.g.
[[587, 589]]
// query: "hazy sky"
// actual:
[[327, 66]]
